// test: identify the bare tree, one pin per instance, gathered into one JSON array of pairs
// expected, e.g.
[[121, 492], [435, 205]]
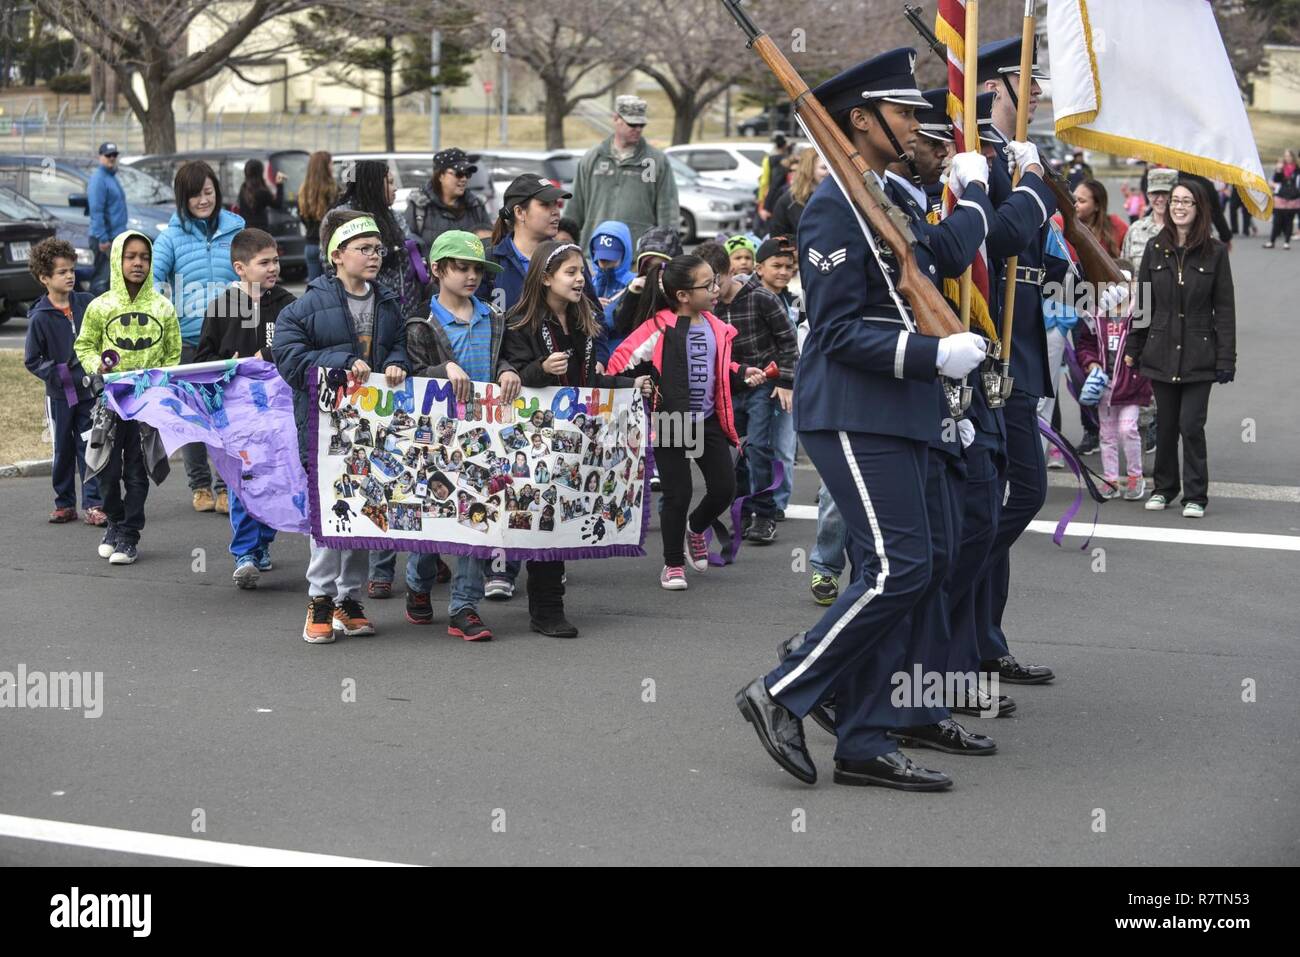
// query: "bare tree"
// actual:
[[565, 45], [147, 39], [694, 51]]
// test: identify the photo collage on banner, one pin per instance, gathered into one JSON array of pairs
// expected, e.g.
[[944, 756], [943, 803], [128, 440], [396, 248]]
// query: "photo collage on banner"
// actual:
[[558, 474]]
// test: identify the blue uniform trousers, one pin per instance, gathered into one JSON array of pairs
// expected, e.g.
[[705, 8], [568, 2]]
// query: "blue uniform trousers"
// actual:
[[981, 503], [879, 484], [1026, 478]]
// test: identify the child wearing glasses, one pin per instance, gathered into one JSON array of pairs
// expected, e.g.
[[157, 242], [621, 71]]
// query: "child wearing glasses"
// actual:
[[344, 320], [687, 350]]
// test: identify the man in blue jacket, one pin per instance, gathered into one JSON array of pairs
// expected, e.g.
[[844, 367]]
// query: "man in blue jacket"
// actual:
[[107, 204]]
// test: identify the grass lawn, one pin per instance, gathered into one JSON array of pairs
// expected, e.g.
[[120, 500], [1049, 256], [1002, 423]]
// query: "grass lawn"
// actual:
[[22, 411]]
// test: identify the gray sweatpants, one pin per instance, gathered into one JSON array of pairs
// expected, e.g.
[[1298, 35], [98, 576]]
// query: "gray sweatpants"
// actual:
[[337, 574]]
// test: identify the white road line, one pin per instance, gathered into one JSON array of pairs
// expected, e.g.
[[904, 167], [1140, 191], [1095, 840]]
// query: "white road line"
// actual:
[[1246, 490], [165, 845], [1181, 536], [1137, 533]]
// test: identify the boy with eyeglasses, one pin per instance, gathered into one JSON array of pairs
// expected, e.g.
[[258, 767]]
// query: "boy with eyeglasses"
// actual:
[[344, 320]]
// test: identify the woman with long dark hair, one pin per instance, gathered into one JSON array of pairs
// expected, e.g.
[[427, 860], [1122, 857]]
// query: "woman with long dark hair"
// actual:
[[316, 197], [368, 188], [255, 198], [194, 253], [1090, 205], [445, 202], [1188, 343]]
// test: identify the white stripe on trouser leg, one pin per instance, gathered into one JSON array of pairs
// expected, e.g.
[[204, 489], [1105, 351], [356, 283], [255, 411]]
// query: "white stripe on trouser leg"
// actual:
[[879, 542]]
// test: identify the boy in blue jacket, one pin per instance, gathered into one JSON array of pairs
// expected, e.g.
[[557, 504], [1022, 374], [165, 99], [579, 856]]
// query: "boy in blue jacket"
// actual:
[[52, 326], [344, 320], [611, 254]]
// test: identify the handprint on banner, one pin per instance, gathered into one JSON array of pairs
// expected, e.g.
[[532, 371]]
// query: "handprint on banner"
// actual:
[[343, 516], [593, 530]]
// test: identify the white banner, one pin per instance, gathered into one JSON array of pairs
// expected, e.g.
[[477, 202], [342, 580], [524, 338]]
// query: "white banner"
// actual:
[[1152, 80], [557, 474]]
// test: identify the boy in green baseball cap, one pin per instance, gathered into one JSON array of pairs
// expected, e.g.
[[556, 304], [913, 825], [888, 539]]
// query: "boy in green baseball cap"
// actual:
[[460, 341]]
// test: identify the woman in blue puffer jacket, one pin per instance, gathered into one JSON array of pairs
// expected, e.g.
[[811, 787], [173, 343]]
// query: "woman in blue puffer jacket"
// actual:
[[191, 262]]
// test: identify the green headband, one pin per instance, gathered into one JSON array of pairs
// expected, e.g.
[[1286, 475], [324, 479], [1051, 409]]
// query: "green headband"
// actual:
[[350, 230]]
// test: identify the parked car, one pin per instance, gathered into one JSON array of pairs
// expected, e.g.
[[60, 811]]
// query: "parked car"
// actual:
[[727, 163], [411, 170], [283, 224], [761, 125], [75, 231], [22, 226], [58, 185], [710, 208], [502, 166]]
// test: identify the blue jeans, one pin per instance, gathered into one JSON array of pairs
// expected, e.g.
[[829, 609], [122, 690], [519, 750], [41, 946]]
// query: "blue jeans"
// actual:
[[511, 573], [383, 565], [767, 429], [247, 534], [312, 254], [785, 451], [67, 423], [827, 556], [466, 582], [99, 279]]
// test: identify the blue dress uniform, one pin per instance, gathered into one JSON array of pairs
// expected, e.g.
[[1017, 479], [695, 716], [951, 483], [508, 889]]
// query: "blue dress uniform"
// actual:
[[867, 403], [1022, 214], [1025, 468]]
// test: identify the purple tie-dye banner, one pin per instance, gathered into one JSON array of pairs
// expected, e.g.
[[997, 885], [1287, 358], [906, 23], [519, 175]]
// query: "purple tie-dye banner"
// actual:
[[243, 412]]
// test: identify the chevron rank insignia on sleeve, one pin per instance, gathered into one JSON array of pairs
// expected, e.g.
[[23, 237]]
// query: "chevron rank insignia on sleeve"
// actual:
[[829, 261]]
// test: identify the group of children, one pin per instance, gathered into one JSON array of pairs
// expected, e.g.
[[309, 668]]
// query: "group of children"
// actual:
[[679, 353]]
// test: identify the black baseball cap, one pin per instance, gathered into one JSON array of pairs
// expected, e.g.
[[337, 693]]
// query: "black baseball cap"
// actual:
[[775, 246], [455, 159], [107, 149], [526, 187]]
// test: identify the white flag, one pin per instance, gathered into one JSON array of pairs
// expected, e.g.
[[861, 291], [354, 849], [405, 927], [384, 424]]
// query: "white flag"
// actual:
[[1152, 80]]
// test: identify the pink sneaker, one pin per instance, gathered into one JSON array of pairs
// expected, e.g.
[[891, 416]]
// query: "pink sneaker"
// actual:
[[697, 551], [1055, 460], [673, 578]]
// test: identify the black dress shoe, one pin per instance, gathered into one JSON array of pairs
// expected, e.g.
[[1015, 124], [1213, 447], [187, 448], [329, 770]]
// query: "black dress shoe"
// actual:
[[893, 770], [1012, 671], [978, 704], [947, 736], [824, 711], [778, 728], [558, 627]]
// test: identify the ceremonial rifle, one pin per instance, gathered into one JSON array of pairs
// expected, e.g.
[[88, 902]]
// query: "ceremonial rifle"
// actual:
[[934, 317]]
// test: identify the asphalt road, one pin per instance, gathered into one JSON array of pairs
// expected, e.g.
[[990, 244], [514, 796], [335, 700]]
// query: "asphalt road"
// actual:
[[214, 703]]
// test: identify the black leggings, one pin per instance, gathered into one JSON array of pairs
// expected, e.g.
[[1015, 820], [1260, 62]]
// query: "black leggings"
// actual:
[[713, 456], [1282, 225]]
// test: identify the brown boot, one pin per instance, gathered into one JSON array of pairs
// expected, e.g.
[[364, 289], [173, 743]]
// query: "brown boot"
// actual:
[[203, 500]]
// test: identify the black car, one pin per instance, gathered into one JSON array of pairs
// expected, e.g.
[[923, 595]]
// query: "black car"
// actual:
[[284, 224], [761, 125], [21, 227]]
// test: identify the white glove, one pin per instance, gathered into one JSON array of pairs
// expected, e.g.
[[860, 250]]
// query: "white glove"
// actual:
[[966, 429], [1113, 296], [967, 168], [959, 353], [1022, 156]]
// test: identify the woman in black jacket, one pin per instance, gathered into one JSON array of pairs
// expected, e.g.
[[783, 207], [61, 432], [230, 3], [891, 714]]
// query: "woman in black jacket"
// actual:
[[255, 197], [1188, 342], [550, 341], [810, 169]]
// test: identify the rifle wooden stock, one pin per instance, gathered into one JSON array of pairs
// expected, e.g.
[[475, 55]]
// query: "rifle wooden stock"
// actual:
[[933, 315]]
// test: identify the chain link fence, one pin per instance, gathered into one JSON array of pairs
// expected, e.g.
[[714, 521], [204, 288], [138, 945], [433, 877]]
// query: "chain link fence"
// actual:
[[29, 129]]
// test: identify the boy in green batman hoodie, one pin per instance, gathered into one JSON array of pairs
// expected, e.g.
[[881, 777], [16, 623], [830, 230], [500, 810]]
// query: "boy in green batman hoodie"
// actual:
[[138, 323]]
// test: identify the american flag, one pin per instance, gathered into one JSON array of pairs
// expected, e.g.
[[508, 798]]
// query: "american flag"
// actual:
[[950, 28]]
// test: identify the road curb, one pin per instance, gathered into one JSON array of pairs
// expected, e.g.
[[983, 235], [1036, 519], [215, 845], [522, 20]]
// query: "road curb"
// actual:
[[28, 468]]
